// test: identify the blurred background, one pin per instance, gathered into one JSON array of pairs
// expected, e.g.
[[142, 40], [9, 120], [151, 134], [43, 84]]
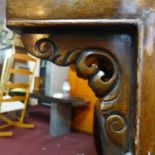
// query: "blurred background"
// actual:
[[51, 76]]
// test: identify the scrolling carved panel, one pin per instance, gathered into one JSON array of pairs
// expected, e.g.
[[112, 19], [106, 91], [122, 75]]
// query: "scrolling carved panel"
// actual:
[[105, 62], [133, 108]]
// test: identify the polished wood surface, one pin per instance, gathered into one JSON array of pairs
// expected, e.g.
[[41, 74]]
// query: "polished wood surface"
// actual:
[[148, 98], [11, 104], [137, 16], [77, 9], [99, 57]]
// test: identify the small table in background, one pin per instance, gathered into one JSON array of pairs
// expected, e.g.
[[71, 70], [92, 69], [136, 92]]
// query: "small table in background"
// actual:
[[60, 113]]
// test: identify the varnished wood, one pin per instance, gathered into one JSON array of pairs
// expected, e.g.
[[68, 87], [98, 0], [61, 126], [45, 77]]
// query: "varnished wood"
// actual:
[[17, 85], [71, 9], [7, 86], [14, 98], [20, 71], [24, 57], [6, 134], [138, 16], [90, 63]]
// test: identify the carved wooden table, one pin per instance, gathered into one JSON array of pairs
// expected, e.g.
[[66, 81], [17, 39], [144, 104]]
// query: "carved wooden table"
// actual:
[[111, 44]]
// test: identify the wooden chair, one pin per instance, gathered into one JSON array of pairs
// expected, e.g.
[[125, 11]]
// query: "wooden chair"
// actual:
[[9, 105]]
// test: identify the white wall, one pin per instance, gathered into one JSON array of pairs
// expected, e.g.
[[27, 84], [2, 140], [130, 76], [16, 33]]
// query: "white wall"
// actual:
[[2, 9], [55, 77]]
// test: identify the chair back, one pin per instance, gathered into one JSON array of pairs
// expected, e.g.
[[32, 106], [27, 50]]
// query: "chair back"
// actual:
[[9, 82]]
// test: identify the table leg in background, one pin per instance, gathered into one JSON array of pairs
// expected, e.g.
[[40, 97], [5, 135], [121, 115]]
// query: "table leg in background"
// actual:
[[60, 119]]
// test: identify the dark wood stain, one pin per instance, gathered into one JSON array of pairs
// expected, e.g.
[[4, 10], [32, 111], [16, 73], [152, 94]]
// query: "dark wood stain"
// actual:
[[128, 34]]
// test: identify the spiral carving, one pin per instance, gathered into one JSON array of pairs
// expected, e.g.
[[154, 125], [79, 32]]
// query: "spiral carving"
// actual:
[[39, 45], [98, 77], [45, 48], [112, 98], [98, 66], [87, 67], [116, 127]]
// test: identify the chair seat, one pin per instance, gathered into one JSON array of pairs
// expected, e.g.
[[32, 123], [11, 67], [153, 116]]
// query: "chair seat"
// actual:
[[11, 106]]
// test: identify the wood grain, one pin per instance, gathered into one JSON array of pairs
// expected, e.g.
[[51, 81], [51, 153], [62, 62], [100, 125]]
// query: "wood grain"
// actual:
[[77, 9], [137, 59]]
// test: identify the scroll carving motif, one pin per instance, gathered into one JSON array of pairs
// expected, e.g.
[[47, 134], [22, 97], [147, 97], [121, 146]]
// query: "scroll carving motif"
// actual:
[[116, 129], [96, 65], [39, 45]]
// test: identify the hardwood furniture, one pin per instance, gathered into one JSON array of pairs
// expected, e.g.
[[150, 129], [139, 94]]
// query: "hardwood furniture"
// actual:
[[60, 112], [111, 44], [9, 105]]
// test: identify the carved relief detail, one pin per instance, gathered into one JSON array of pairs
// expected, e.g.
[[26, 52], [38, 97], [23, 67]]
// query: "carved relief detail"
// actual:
[[116, 129], [96, 65]]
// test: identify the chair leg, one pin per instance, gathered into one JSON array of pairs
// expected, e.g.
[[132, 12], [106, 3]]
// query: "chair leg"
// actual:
[[25, 125], [6, 134]]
